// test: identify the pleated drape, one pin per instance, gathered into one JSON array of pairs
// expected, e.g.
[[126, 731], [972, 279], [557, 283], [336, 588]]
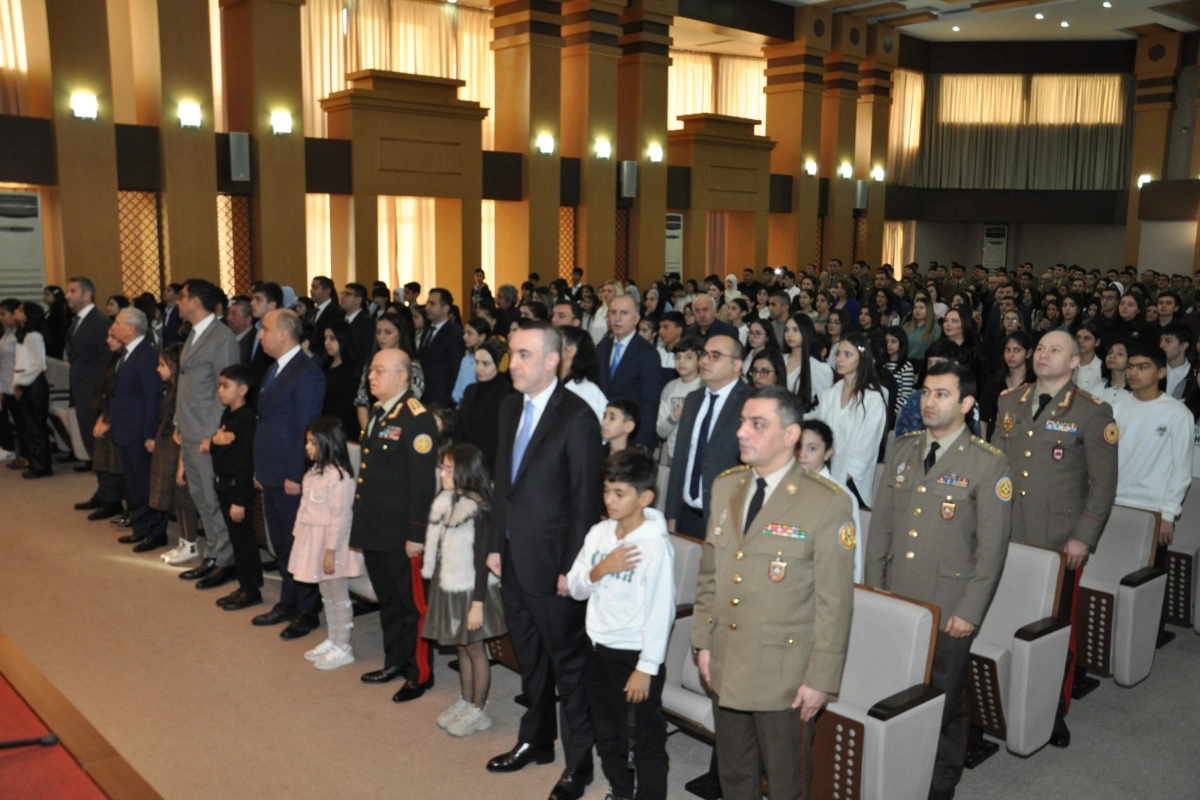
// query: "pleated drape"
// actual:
[[14, 84]]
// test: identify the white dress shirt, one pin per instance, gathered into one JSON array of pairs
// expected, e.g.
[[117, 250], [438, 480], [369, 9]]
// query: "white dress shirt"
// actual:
[[285, 358], [718, 405], [773, 480], [1175, 377], [200, 327], [129, 348]]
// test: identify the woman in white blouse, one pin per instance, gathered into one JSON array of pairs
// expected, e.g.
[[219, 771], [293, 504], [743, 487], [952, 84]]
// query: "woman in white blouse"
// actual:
[[31, 388], [855, 410], [579, 369], [807, 377]]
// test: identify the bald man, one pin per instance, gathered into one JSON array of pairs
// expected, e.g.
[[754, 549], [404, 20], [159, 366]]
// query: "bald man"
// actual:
[[630, 367], [707, 325]]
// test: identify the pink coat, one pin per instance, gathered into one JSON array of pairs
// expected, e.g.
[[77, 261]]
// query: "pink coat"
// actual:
[[323, 523]]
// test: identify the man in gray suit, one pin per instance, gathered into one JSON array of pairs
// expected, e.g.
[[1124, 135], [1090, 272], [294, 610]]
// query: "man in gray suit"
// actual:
[[210, 347], [707, 442]]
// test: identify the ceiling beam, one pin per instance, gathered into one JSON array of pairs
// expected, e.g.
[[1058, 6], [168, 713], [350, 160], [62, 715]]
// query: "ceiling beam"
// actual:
[[911, 19], [1005, 5], [879, 10]]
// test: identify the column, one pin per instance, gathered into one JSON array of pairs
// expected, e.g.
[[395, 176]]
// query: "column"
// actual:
[[263, 75], [1157, 67], [642, 84], [874, 121], [839, 122], [591, 31], [528, 46], [795, 91]]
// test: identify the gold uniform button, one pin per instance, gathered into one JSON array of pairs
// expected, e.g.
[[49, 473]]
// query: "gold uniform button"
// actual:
[[1022, 493], [733, 626], [366, 451], [358, 496], [734, 601], [737, 578], [1024, 473], [921, 489], [1028, 454], [740, 555], [913, 534], [363, 465], [910, 555], [360, 480], [385, 447], [789, 641], [917, 513], [717, 531], [1030, 434]]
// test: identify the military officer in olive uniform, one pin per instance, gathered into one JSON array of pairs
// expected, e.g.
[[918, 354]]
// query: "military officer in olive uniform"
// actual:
[[939, 534], [391, 511], [1062, 444], [773, 603]]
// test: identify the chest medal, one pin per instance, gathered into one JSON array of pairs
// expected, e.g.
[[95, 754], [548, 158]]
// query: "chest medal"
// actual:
[[777, 569], [947, 511]]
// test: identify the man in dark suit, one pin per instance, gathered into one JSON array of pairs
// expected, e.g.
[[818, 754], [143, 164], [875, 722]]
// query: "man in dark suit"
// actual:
[[291, 397], [171, 317], [547, 497], [362, 325], [707, 443], [264, 298], [133, 403], [324, 314], [707, 325], [630, 367], [240, 319], [87, 352], [441, 348]]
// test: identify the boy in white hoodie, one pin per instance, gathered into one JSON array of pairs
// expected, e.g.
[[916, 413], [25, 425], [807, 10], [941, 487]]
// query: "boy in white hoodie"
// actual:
[[626, 572]]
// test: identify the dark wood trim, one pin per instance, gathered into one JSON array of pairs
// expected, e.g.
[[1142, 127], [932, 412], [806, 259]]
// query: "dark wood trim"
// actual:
[[1017, 57], [651, 48], [1143, 576], [646, 26], [502, 178], [27, 151], [902, 701], [1043, 627], [1004, 205], [764, 17], [327, 166], [1169, 200], [139, 163]]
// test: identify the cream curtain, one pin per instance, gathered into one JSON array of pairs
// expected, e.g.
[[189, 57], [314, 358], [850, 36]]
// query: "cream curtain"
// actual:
[[898, 244], [904, 129], [690, 86], [1076, 100], [740, 85], [14, 87]]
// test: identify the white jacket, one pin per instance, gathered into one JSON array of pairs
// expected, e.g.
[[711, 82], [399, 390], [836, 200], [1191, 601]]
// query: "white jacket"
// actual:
[[632, 610]]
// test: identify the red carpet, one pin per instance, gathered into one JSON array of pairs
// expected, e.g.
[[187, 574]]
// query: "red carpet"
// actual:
[[36, 773]]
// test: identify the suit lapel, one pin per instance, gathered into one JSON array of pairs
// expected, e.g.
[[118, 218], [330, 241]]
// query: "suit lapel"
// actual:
[[540, 432]]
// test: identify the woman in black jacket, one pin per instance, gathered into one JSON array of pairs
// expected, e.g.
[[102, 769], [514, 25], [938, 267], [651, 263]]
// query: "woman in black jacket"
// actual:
[[479, 411]]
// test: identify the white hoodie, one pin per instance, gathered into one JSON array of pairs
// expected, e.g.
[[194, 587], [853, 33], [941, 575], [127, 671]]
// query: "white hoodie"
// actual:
[[632, 610]]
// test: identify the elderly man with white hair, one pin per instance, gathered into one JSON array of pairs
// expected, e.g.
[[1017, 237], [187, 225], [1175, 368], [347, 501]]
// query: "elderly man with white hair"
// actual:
[[707, 325], [133, 415]]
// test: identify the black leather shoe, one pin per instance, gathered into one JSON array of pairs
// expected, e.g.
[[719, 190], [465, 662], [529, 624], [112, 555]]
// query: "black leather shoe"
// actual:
[[33, 474], [280, 613], [69, 458], [131, 538], [206, 566], [240, 600], [520, 756], [84, 467], [1061, 735], [105, 512], [218, 577], [301, 625], [88, 505], [574, 782], [411, 690], [146, 545], [383, 675]]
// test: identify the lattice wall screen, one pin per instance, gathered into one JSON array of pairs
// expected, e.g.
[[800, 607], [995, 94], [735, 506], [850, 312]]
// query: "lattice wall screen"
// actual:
[[142, 225], [235, 243], [568, 242], [621, 267]]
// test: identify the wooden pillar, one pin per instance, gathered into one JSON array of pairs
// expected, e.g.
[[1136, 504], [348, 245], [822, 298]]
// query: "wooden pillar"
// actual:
[[642, 118], [795, 90], [874, 120], [528, 48], [1157, 68], [589, 115], [262, 67], [839, 123]]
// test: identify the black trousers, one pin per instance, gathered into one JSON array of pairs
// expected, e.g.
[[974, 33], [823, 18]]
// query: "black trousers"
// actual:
[[749, 740], [951, 662], [147, 522], [550, 641], [691, 523], [401, 591], [1066, 611], [604, 681], [35, 423], [9, 423], [246, 559], [280, 509]]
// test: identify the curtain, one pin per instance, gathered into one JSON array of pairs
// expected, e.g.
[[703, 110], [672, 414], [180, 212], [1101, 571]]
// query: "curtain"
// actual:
[[690, 82], [740, 85], [898, 244], [904, 129], [477, 68], [1026, 132], [14, 85]]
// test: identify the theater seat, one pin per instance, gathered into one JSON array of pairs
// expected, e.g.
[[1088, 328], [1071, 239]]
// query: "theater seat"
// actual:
[[687, 567], [361, 586], [1017, 659], [685, 699], [1182, 555], [1121, 599], [63, 421]]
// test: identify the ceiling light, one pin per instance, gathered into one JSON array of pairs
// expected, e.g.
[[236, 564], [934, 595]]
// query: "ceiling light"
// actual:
[[84, 105], [847, 171], [189, 115], [1039, 16], [545, 144], [281, 123], [1106, 4], [810, 168], [655, 152], [603, 149], [1144, 179], [1065, 24], [956, 29]]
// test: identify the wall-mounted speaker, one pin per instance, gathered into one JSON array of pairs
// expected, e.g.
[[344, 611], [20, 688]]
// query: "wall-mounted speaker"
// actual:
[[860, 195], [627, 177], [239, 156]]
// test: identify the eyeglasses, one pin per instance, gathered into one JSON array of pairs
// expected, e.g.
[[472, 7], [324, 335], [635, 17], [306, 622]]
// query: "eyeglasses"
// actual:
[[762, 373]]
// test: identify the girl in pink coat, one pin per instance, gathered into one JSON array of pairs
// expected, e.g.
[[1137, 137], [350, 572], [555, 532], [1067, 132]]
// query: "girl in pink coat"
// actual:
[[321, 552]]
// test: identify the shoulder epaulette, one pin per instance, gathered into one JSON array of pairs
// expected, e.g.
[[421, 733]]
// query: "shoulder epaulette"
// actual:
[[1089, 397], [1016, 388], [910, 434], [993, 450], [828, 484], [414, 405], [732, 470]]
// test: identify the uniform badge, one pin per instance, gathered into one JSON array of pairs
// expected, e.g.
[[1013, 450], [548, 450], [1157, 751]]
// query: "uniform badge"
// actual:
[[1111, 433], [391, 433], [947, 511], [900, 468], [1004, 489], [791, 488], [1058, 453], [1008, 423], [847, 536], [1061, 427], [423, 443], [777, 570]]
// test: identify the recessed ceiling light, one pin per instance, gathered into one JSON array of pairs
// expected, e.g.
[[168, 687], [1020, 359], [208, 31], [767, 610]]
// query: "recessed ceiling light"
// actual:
[[1106, 4], [1039, 16], [1065, 24], [956, 29]]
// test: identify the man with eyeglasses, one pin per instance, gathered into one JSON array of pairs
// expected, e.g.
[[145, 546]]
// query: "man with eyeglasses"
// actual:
[[707, 442]]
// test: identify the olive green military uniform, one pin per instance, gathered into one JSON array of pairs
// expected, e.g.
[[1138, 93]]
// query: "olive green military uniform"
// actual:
[[941, 537], [773, 606]]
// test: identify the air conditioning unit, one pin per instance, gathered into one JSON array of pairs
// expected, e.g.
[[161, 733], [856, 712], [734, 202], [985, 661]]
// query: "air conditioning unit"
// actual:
[[22, 248], [674, 259], [995, 246]]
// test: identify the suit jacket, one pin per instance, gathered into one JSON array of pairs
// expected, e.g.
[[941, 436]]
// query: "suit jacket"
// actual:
[[88, 353], [135, 397], [638, 377], [332, 315], [941, 536], [721, 452], [170, 328], [362, 333], [246, 346], [198, 409], [718, 328], [294, 398], [547, 508], [440, 359], [746, 608]]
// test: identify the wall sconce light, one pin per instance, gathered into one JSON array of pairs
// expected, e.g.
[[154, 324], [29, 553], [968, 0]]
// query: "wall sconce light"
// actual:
[[846, 171], [189, 115], [810, 168], [281, 123], [603, 149], [84, 105], [655, 152], [877, 174], [1144, 179], [545, 144]]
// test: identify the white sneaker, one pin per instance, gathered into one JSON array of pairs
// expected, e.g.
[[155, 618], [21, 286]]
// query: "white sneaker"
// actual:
[[472, 720], [6, 455], [452, 713], [319, 652], [187, 552], [174, 551], [336, 657]]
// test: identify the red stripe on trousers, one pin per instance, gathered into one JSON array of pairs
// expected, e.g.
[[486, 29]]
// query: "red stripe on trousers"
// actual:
[[424, 668]]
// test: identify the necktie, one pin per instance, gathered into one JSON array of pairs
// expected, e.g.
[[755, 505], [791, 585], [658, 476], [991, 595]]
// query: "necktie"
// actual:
[[271, 375], [931, 457], [71, 335], [1043, 401], [616, 358], [522, 438], [756, 504], [701, 443], [254, 346], [121, 361]]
